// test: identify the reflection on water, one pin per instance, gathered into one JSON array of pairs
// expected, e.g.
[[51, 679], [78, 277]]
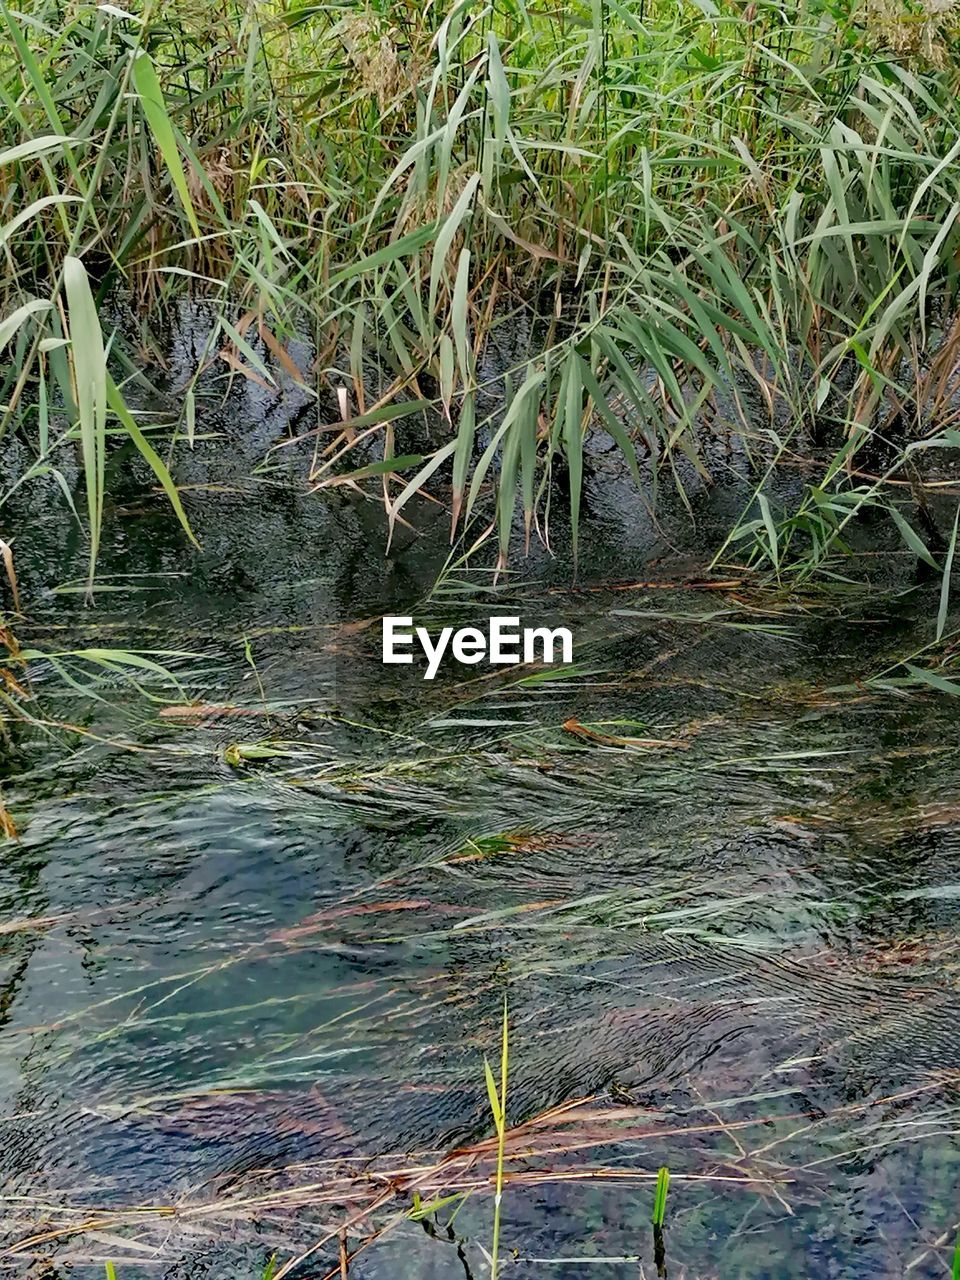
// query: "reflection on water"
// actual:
[[260, 994]]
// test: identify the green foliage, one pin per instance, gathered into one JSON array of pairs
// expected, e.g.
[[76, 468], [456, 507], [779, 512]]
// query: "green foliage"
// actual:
[[498, 1109], [268, 1273], [699, 204], [660, 1197]]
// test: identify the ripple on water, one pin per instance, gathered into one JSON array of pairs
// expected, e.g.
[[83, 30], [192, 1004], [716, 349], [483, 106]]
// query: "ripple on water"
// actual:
[[737, 955]]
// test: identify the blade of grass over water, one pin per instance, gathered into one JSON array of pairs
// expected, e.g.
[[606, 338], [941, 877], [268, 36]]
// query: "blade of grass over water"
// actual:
[[89, 369], [497, 1097], [945, 585], [660, 1199], [148, 87]]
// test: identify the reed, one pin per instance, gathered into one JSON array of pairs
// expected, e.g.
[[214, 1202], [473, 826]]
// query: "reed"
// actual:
[[498, 1107], [660, 1198], [718, 219]]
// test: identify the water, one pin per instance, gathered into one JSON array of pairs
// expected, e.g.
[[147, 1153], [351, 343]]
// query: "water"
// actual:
[[244, 1004]]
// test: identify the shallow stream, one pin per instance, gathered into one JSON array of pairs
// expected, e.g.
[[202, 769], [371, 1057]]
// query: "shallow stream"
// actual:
[[258, 930]]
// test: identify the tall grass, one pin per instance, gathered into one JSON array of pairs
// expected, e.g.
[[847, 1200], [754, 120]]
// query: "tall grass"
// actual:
[[710, 216]]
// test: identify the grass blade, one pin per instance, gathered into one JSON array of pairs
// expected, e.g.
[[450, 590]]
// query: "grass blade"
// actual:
[[149, 455], [148, 88], [89, 366], [660, 1198], [945, 584]]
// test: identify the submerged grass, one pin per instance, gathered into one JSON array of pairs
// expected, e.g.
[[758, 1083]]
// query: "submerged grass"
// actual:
[[704, 218], [729, 926]]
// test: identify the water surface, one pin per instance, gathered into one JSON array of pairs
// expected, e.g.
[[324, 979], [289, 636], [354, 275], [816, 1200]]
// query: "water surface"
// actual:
[[246, 998]]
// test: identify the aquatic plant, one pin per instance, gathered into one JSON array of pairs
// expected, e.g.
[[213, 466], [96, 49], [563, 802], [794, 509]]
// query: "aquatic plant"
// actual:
[[660, 1197], [705, 218], [498, 1108], [93, 674], [659, 1212], [268, 1273], [693, 940]]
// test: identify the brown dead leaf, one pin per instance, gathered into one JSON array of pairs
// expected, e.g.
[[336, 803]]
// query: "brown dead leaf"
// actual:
[[573, 725], [323, 918], [205, 710], [12, 683], [8, 827], [7, 554], [27, 924], [280, 353], [230, 357]]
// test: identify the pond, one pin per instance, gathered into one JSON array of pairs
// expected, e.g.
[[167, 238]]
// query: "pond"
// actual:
[[259, 927]]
